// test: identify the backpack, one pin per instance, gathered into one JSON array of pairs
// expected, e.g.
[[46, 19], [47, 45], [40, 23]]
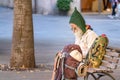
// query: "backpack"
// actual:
[[67, 66], [97, 51], [62, 71]]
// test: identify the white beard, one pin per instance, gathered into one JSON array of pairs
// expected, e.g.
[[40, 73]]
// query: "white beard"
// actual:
[[78, 36]]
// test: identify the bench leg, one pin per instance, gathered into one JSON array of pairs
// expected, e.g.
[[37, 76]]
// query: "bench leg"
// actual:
[[99, 75], [87, 76], [106, 74]]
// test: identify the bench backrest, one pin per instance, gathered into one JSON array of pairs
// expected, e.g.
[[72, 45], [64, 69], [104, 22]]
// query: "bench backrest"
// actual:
[[111, 60]]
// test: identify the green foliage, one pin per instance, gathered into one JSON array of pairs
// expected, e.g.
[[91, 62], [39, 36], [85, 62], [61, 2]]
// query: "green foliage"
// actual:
[[64, 5]]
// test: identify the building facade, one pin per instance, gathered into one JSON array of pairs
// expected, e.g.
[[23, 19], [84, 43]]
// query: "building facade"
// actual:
[[46, 7]]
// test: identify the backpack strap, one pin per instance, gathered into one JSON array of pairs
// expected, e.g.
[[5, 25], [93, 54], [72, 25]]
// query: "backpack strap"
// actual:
[[63, 64]]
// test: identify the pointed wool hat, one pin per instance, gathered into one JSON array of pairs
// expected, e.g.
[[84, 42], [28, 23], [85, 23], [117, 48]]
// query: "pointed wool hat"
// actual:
[[77, 19]]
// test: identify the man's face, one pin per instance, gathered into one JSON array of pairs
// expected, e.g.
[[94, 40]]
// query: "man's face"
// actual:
[[74, 27], [76, 30]]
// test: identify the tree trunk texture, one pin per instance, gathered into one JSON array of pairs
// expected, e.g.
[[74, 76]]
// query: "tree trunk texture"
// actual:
[[22, 53]]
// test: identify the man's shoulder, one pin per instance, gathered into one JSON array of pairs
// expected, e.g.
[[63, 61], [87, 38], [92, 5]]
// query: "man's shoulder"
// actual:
[[91, 33]]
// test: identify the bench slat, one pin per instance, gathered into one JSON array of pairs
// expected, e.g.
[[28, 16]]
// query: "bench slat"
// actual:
[[91, 70], [111, 59], [104, 68], [108, 64], [115, 54]]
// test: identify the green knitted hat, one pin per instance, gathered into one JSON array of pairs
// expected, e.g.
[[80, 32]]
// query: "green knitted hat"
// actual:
[[77, 19]]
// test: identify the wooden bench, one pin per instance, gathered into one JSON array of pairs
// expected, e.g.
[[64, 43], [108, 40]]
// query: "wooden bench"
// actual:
[[110, 62]]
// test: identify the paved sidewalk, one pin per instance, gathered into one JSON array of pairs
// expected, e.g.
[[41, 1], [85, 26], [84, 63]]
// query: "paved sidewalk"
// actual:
[[51, 33]]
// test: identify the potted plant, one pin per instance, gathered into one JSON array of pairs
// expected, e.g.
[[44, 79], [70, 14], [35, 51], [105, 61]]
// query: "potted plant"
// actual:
[[63, 6]]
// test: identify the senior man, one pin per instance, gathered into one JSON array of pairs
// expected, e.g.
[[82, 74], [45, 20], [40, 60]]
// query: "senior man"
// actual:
[[84, 36]]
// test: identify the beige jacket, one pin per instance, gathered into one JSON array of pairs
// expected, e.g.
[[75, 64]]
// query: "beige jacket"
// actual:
[[86, 41]]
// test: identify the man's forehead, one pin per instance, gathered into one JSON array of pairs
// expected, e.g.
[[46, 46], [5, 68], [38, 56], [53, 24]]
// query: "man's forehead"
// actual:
[[73, 25]]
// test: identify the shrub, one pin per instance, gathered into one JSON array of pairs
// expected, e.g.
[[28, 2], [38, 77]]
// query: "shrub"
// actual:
[[63, 5]]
